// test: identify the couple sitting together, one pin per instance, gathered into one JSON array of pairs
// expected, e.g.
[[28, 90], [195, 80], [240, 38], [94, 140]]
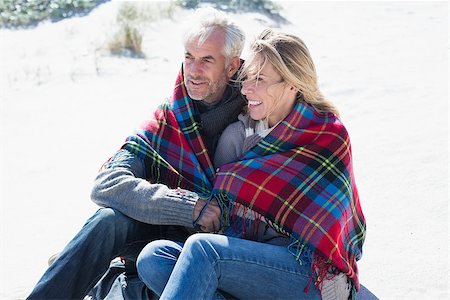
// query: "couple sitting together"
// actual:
[[240, 186]]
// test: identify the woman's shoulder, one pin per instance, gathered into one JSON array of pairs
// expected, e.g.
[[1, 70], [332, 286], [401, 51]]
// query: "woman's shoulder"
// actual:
[[238, 126], [230, 143]]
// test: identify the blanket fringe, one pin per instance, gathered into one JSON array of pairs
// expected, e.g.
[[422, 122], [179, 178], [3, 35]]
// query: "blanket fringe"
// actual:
[[321, 268], [225, 209]]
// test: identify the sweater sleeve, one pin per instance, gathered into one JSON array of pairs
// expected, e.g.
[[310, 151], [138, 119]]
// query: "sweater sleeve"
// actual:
[[121, 185], [229, 147]]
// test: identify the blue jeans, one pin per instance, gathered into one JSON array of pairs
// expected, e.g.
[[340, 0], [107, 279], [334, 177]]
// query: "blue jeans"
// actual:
[[209, 264], [106, 235]]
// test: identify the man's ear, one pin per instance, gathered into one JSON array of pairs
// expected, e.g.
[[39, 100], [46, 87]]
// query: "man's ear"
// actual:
[[234, 65]]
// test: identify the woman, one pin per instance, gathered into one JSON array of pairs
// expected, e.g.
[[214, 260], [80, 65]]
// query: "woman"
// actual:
[[291, 212]]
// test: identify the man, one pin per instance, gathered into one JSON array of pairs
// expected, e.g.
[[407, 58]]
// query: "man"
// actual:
[[141, 205]]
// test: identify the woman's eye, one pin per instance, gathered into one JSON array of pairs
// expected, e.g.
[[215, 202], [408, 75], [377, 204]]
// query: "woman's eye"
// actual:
[[251, 78]]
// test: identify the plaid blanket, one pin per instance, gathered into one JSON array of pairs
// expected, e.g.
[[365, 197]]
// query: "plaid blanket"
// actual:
[[300, 179]]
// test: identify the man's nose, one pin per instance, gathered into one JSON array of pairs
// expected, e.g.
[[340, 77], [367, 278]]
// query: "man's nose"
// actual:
[[195, 68]]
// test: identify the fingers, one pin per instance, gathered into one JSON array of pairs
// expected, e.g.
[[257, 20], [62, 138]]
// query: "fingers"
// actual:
[[214, 202], [212, 220], [209, 221], [198, 208]]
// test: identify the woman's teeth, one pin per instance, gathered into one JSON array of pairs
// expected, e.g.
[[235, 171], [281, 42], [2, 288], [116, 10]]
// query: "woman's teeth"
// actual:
[[254, 102]]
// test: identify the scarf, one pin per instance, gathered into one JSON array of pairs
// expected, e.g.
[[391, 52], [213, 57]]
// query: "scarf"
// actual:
[[300, 179], [215, 119]]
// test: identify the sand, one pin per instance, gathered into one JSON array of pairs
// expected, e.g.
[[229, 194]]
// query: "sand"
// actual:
[[67, 105]]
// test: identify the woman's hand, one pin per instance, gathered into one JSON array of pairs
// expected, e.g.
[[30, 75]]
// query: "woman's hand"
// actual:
[[209, 220]]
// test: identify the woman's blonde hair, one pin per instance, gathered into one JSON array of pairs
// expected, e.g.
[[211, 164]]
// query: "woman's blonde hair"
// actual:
[[291, 59]]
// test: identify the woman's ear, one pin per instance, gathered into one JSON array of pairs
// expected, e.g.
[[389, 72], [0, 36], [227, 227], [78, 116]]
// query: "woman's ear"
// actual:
[[292, 90], [234, 65]]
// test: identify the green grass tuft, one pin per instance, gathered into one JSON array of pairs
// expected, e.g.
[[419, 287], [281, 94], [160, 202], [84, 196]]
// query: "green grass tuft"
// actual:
[[28, 13]]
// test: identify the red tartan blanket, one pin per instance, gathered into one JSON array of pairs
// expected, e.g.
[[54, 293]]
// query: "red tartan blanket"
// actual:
[[299, 177]]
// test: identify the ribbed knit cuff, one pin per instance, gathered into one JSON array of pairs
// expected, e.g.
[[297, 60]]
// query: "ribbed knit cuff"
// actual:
[[178, 209]]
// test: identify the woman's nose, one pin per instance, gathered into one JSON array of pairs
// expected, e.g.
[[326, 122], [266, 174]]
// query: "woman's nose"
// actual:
[[247, 87]]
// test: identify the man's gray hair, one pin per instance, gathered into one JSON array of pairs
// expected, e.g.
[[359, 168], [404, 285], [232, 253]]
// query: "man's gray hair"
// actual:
[[207, 19]]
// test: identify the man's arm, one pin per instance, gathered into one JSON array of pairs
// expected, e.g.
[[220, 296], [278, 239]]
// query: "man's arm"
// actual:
[[121, 185]]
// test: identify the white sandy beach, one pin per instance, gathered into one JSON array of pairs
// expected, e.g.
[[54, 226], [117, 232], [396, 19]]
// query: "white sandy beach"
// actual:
[[66, 106]]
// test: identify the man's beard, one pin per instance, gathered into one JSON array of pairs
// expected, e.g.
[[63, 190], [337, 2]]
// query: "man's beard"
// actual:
[[214, 91]]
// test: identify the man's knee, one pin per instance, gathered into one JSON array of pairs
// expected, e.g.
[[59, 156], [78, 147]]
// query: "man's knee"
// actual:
[[108, 220], [109, 214]]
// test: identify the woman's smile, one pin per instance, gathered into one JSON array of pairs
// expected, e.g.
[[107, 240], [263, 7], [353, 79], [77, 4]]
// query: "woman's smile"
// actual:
[[254, 103]]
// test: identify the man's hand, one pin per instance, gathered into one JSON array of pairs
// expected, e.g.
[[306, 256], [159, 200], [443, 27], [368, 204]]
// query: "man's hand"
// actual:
[[210, 219]]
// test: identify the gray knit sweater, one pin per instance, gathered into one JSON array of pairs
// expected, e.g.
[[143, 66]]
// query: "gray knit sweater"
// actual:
[[122, 184], [238, 138]]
